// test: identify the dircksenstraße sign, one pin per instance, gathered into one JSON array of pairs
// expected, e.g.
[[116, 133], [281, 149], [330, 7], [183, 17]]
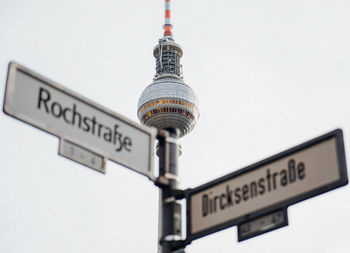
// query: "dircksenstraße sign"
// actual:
[[302, 172]]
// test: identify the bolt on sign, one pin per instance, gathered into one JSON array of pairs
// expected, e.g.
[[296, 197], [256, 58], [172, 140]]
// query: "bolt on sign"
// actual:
[[302, 172], [81, 123]]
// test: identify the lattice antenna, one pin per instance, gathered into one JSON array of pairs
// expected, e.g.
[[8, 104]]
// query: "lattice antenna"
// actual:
[[167, 24]]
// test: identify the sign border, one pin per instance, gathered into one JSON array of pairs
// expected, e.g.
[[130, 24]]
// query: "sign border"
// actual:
[[343, 180], [13, 67]]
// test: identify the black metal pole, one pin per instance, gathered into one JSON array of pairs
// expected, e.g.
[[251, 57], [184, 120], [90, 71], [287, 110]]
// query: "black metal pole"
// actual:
[[170, 210]]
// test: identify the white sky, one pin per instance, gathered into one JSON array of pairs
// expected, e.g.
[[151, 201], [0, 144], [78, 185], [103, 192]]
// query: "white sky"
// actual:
[[268, 74]]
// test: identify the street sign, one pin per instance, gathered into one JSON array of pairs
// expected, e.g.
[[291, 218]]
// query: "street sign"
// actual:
[[263, 224], [55, 109], [302, 172]]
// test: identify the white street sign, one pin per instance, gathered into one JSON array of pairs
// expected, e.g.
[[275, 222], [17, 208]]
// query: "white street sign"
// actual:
[[55, 109], [302, 172]]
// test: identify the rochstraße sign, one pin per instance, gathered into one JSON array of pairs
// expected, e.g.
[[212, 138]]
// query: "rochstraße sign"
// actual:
[[55, 109], [307, 170]]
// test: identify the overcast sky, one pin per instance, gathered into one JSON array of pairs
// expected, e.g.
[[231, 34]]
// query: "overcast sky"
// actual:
[[269, 75]]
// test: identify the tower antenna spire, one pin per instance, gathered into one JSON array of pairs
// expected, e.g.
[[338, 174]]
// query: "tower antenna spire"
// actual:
[[167, 24]]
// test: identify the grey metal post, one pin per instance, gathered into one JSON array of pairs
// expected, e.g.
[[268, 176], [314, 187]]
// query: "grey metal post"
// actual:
[[169, 209]]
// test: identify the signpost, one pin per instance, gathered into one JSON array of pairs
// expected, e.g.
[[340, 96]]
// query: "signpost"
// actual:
[[302, 172], [90, 129], [255, 198]]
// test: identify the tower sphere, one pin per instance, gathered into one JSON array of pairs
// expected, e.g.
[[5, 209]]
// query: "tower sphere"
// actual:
[[168, 102]]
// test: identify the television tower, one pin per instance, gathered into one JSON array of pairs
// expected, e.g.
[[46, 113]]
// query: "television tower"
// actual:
[[168, 102]]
